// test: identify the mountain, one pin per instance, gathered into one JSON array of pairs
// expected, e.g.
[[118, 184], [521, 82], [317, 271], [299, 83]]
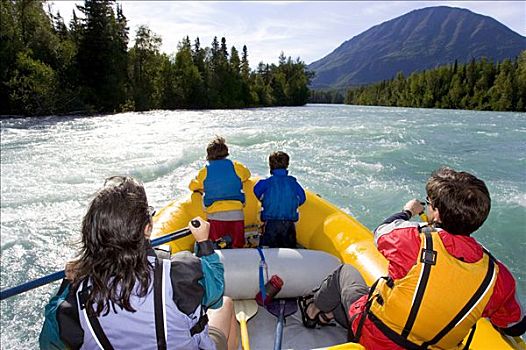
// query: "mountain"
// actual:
[[418, 40]]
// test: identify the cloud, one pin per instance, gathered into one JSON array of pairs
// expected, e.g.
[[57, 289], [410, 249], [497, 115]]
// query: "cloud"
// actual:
[[310, 29]]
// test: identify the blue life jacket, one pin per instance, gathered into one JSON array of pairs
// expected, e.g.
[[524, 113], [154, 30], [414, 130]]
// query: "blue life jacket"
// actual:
[[281, 198], [222, 182]]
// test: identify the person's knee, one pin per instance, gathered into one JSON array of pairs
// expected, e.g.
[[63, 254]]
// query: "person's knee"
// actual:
[[228, 304]]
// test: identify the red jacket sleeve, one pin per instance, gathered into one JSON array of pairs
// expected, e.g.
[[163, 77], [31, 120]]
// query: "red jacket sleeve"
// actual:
[[504, 309], [399, 242]]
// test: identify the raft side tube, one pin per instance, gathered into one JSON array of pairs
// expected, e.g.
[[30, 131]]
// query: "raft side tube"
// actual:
[[301, 270]]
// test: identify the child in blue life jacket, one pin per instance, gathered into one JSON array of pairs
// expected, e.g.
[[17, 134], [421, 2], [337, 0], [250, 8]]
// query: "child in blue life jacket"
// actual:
[[220, 182], [280, 196]]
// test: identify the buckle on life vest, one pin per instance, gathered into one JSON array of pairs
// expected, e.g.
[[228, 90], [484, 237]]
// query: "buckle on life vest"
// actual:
[[428, 256]]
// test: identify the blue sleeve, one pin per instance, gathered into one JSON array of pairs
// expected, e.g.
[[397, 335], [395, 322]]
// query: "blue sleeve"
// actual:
[[300, 192], [403, 215], [213, 281], [260, 188]]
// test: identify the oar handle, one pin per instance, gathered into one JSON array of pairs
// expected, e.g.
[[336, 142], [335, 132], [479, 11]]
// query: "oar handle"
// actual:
[[244, 335], [55, 276]]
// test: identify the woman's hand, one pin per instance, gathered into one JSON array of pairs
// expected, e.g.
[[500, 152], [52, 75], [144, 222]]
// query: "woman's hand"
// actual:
[[202, 230], [70, 271]]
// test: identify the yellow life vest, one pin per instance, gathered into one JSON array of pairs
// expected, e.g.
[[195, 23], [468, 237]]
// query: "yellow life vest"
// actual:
[[439, 300]]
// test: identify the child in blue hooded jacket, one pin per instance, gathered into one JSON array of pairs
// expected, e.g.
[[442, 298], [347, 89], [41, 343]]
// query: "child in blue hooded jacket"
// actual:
[[280, 196]]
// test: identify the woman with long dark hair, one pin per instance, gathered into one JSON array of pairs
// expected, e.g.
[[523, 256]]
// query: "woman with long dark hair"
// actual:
[[120, 295]]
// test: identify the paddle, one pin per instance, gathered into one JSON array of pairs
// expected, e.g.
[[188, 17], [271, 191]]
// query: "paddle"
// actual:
[[245, 309], [281, 308], [60, 274]]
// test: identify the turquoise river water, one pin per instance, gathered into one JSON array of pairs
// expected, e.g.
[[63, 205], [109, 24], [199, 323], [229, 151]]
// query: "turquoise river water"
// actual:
[[367, 160]]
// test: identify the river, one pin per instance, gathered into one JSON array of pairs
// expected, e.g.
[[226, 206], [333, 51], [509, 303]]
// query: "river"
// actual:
[[367, 160]]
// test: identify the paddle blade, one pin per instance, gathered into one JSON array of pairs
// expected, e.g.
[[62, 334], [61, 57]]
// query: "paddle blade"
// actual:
[[245, 309], [281, 308], [291, 306]]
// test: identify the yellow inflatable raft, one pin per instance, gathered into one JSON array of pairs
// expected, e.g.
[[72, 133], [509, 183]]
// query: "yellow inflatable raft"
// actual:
[[322, 226]]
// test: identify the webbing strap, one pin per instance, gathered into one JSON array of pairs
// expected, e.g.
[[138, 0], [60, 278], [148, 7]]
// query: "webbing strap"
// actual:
[[470, 337], [92, 320], [262, 265], [428, 259], [365, 312], [201, 323], [158, 302], [94, 324], [394, 336], [475, 299]]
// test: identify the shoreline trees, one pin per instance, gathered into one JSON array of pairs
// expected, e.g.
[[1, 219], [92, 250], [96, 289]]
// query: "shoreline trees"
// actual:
[[477, 85], [47, 67]]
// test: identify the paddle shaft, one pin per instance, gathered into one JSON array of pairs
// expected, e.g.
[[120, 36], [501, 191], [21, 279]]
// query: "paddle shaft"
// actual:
[[279, 326], [4, 294], [245, 309], [244, 335]]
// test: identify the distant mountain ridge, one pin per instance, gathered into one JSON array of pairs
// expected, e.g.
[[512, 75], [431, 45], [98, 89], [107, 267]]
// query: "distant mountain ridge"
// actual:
[[418, 40]]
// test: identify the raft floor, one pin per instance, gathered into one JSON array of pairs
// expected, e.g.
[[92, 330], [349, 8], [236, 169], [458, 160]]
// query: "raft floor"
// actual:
[[262, 330]]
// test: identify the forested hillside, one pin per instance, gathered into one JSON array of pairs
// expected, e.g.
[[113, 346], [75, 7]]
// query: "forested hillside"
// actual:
[[480, 85], [48, 67], [420, 40]]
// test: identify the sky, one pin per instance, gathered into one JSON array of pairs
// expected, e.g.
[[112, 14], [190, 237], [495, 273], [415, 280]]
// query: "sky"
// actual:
[[309, 30]]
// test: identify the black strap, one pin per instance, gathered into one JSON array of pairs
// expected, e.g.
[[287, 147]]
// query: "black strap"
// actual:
[[470, 338], [159, 304], [201, 324], [350, 334], [92, 319], [469, 305], [394, 336], [365, 312], [428, 259], [158, 310]]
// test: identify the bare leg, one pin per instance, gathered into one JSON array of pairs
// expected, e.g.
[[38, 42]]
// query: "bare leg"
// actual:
[[232, 338], [224, 319]]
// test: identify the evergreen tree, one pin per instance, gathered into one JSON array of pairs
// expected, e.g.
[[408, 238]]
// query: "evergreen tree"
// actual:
[[234, 81], [100, 55], [188, 79], [167, 83], [10, 44], [199, 58], [120, 55], [248, 96], [521, 82], [145, 69], [476, 85], [47, 68], [245, 67], [502, 91], [213, 81]]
